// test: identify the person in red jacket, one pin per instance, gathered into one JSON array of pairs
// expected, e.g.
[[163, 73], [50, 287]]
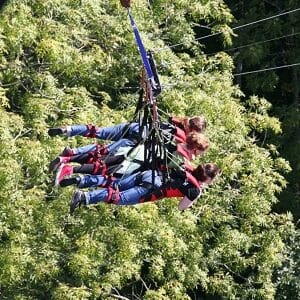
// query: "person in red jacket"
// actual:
[[124, 135], [176, 127], [122, 165], [143, 187]]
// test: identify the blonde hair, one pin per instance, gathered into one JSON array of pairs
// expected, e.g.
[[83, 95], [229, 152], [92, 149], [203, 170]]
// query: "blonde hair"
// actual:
[[195, 140]]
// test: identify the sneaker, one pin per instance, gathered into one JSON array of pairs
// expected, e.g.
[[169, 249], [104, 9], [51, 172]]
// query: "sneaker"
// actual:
[[70, 181], [56, 131], [63, 171], [54, 164], [67, 152], [78, 199]]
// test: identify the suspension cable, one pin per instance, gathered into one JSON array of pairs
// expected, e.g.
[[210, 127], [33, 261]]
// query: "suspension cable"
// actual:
[[255, 43], [234, 28], [266, 69]]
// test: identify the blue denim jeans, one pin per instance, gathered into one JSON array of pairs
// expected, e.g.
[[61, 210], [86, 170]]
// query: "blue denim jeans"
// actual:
[[112, 133], [130, 192], [122, 134], [111, 148]]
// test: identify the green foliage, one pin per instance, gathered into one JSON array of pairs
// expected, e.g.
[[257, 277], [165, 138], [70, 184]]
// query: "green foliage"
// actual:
[[65, 62], [271, 44], [288, 276]]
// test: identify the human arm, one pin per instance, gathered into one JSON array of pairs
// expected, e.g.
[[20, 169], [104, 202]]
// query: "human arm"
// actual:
[[185, 203], [191, 194]]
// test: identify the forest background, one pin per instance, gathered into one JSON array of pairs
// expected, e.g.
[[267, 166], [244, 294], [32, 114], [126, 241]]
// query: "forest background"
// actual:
[[72, 61]]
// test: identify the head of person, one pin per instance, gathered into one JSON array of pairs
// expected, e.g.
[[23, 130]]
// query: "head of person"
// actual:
[[196, 143], [197, 124], [206, 173]]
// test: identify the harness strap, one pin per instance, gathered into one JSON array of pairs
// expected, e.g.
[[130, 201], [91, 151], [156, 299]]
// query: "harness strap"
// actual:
[[99, 168], [188, 166], [151, 89], [113, 196], [92, 131], [157, 87], [135, 137], [102, 149], [91, 158], [137, 161], [176, 122], [109, 180], [139, 182], [180, 135], [142, 49], [154, 195], [95, 155], [147, 185], [184, 152]]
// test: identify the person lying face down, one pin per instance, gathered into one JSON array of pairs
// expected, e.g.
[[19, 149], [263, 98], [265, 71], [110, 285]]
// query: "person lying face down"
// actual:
[[176, 127], [120, 164], [176, 130], [145, 186]]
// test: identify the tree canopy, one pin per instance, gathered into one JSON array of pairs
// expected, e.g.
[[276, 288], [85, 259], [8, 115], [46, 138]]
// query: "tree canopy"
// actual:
[[71, 61]]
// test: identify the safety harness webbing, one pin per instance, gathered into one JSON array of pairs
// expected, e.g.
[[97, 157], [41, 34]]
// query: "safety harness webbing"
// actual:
[[142, 49], [151, 89]]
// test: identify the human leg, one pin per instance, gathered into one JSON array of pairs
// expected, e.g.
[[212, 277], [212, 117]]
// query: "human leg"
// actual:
[[113, 133], [114, 194], [128, 197]]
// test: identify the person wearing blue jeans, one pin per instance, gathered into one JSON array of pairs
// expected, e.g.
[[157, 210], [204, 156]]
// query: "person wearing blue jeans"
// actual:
[[177, 128], [112, 133], [144, 186], [124, 135], [130, 192], [126, 163]]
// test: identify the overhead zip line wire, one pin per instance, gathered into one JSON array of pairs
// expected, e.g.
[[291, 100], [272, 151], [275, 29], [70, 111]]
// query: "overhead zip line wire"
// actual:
[[266, 19], [255, 43], [241, 74], [184, 84], [267, 69], [236, 48], [234, 28]]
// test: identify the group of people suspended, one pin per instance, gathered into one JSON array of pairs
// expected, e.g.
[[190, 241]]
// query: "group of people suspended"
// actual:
[[148, 159], [120, 173]]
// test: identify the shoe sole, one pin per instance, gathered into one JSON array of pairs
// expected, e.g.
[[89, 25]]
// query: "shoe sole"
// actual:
[[74, 206], [66, 152], [54, 164], [55, 131]]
